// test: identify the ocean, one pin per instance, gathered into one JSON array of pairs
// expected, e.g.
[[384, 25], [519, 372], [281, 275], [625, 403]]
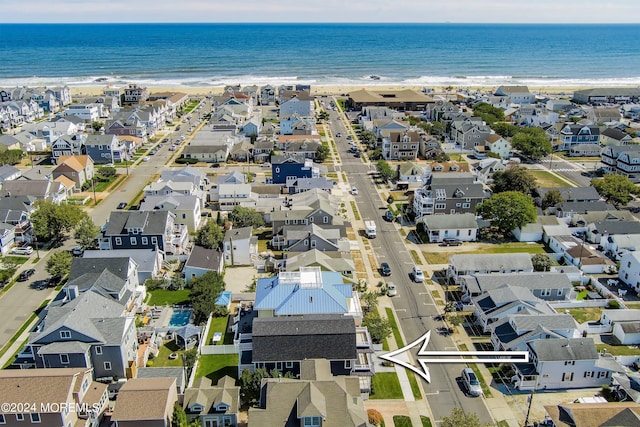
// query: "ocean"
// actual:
[[320, 54]]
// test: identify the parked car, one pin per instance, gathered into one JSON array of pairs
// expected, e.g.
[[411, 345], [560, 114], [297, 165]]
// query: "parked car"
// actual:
[[215, 165], [339, 134], [471, 382], [417, 275], [354, 191], [77, 251], [265, 165], [24, 250], [391, 289], [449, 241], [385, 269], [122, 205], [25, 275]]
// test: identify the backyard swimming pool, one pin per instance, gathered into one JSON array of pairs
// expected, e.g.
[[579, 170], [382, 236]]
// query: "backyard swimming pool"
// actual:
[[180, 318]]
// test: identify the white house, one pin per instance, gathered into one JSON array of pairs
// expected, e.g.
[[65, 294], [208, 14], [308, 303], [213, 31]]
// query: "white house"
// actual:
[[239, 246], [563, 364], [87, 112], [629, 271], [471, 264], [628, 333], [463, 227], [298, 105]]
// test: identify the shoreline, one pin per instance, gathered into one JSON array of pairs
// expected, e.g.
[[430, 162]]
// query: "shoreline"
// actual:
[[320, 90]]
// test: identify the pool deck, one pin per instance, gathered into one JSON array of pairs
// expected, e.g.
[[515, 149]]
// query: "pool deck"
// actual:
[[163, 320]]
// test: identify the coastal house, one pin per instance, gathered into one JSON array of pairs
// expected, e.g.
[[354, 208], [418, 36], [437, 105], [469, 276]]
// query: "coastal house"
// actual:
[[563, 363], [299, 105], [629, 271], [202, 260], [267, 95], [9, 173], [15, 211], [262, 148], [301, 238], [598, 414], [571, 135], [400, 100], [469, 132], [144, 230], [53, 392], [514, 331], [340, 262], [79, 169], [239, 246], [400, 145], [105, 149], [600, 116], [613, 136], [68, 146], [516, 94], [159, 396], [463, 227], [547, 286], [495, 144], [413, 173], [213, 404], [609, 95], [148, 262], [623, 324], [87, 112], [283, 166], [186, 208], [89, 325], [310, 207], [45, 189], [472, 264], [451, 195], [316, 398], [134, 94]]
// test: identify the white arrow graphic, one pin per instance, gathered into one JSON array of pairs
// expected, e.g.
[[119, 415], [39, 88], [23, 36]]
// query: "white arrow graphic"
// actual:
[[438, 356]]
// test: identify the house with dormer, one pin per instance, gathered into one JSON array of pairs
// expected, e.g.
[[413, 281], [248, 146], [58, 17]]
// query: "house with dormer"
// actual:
[[315, 399], [79, 169], [144, 230], [299, 105], [310, 207], [185, 207], [213, 404], [514, 331], [414, 173], [88, 325], [448, 195], [301, 238], [105, 149], [548, 286], [283, 166], [494, 144], [516, 94], [469, 132], [613, 136], [571, 135], [401, 145]]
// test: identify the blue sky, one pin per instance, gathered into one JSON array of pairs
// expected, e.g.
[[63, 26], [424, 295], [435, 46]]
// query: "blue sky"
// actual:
[[480, 11]]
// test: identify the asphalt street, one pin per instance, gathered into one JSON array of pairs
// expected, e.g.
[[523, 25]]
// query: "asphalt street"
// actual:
[[414, 305]]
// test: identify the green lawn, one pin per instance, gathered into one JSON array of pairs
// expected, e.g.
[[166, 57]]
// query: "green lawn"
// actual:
[[99, 186], [394, 326], [546, 179], [216, 366], [618, 350], [402, 421], [162, 359], [386, 386], [503, 248], [426, 421], [587, 314], [413, 381], [219, 324], [167, 297]]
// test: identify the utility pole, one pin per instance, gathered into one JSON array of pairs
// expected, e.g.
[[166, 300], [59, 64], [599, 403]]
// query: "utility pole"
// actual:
[[530, 399]]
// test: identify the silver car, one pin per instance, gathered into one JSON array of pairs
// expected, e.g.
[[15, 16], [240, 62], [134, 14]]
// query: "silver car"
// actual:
[[471, 382]]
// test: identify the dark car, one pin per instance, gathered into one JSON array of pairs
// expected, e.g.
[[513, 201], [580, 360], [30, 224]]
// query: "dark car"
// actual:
[[385, 269], [448, 241], [25, 275], [215, 165], [122, 205]]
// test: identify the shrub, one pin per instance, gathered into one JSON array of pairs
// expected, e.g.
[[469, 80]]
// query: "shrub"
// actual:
[[613, 304], [375, 417], [183, 160], [149, 363]]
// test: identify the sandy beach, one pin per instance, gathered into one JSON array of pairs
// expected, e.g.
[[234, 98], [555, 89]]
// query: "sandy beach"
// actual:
[[81, 91]]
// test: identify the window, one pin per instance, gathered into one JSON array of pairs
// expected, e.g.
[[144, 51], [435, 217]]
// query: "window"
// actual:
[[107, 366], [2, 420], [99, 349], [313, 243], [64, 359], [546, 293], [325, 219], [310, 219], [569, 362], [35, 417], [133, 240], [288, 364], [458, 205], [588, 374], [184, 216], [65, 335], [85, 385], [347, 364], [560, 292], [154, 240], [118, 241], [312, 421], [441, 205], [279, 366], [19, 417], [466, 205], [145, 240]]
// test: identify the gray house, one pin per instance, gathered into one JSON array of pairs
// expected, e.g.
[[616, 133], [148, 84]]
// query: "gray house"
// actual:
[[149, 261], [144, 230], [87, 323], [301, 238], [547, 286], [213, 405], [202, 260], [105, 149]]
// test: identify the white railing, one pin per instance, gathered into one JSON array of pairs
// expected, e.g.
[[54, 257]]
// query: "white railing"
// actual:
[[220, 349]]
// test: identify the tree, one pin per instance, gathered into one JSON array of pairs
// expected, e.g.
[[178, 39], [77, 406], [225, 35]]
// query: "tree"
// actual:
[[97, 125], [378, 327], [11, 157], [322, 153], [532, 142], [210, 235], [245, 217], [86, 232], [488, 113], [504, 129], [552, 198], [205, 290], [59, 264], [375, 417], [515, 178], [508, 210], [385, 171], [51, 221], [179, 417], [438, 128], [541, 262], [458, 418], [251, 382], [189, 358], [368, 138], [107, 171], [617, 189], [370, 301]]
